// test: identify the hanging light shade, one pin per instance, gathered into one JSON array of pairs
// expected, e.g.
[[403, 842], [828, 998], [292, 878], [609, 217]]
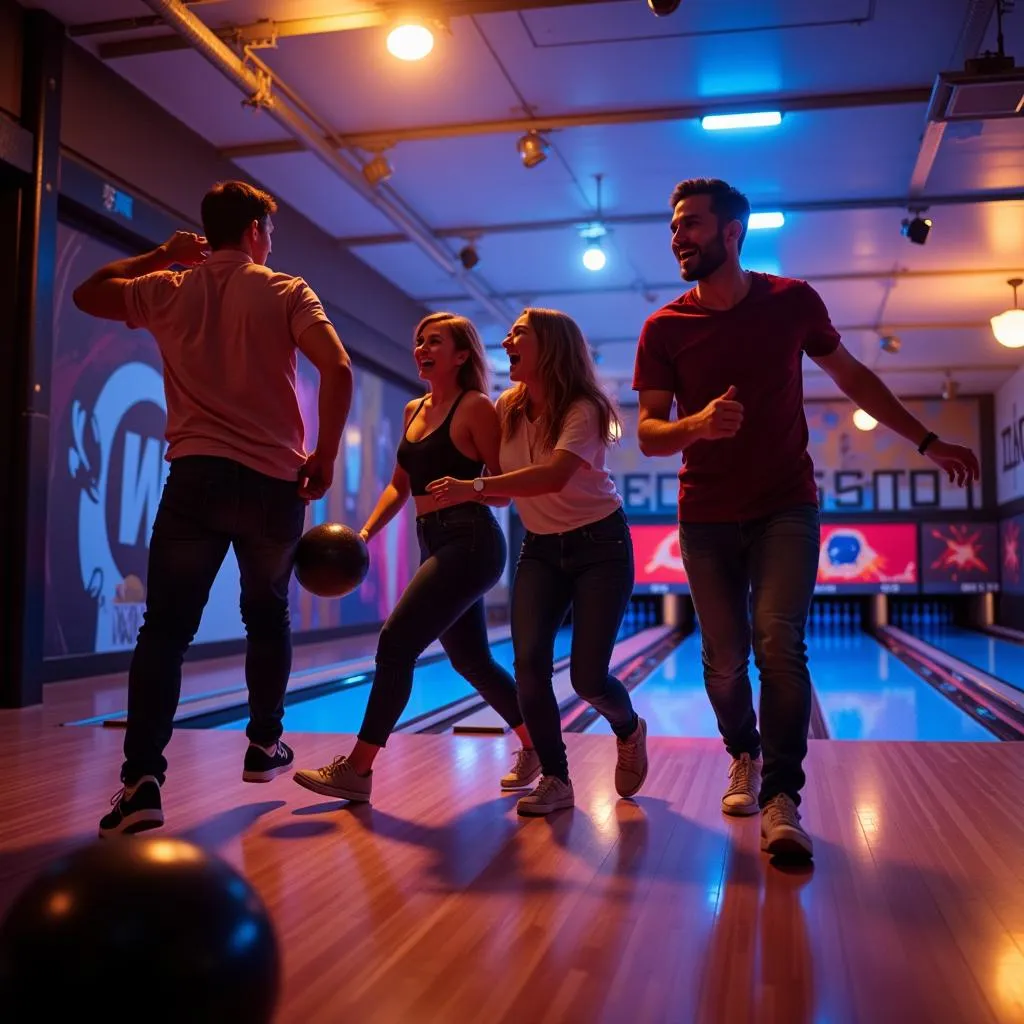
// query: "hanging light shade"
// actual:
[[1008, 327]]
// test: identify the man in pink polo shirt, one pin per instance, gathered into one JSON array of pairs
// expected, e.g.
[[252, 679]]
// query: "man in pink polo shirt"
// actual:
[[729, 353], [228, 329]]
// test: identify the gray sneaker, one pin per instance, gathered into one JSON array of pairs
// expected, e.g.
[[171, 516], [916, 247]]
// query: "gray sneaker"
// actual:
[[551, 794], [338, 779], [744, 786], [781, 831], [525, 768]]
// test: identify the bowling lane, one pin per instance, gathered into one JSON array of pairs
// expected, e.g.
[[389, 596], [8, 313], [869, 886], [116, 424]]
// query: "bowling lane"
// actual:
[[994, 655], [434, 685], [865, 694]]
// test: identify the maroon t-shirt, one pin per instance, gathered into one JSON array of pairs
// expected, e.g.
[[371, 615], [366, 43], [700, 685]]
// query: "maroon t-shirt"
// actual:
[[758, 346]]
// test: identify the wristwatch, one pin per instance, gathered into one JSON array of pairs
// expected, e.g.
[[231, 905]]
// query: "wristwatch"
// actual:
[[478, 485], [928, 438]]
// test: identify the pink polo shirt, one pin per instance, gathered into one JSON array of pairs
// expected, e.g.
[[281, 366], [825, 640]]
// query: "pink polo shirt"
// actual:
[[227, 332]]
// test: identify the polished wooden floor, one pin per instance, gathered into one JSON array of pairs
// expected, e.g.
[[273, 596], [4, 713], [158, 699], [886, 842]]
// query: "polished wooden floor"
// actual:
[[438, 904]]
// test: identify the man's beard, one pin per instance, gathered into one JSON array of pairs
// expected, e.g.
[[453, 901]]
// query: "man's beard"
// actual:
[[709, 259]]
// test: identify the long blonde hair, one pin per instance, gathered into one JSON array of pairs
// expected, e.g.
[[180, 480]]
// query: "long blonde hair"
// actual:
[[567, 374], [473, 375]]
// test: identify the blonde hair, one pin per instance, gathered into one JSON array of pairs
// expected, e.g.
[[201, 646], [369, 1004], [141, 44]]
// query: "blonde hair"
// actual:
[[567, 374], [473, 375]]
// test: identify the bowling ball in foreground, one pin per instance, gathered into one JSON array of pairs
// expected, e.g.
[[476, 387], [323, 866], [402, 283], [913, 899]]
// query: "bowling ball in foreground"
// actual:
[[332, 560], [139, 929]]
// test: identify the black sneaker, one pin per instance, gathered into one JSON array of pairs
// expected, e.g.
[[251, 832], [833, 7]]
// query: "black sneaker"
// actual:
[[262, 767], [136, 809]]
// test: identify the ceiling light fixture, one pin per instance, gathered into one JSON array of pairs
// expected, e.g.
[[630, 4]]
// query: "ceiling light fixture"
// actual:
[[728, 122], [863, 420], [762, 221], [917, 229], [890, 343], [1008, 327], [533, 149], [594, 257], [410, 40]]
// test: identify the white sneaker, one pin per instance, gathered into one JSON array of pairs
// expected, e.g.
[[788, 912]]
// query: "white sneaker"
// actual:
[[744, 786], [551, 794], [781, 831], [525, 768]]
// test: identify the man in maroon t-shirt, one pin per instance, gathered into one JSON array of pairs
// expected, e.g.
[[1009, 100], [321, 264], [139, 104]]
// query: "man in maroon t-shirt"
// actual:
[[729, 353]]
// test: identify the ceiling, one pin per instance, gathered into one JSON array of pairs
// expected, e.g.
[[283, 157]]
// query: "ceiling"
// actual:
[[618, 92]]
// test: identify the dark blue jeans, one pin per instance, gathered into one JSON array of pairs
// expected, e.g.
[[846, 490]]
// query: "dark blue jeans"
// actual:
[[208, 504], [764, 570], [462, 555], [591, 569]]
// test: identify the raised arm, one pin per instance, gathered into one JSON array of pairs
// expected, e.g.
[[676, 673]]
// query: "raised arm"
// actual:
[[103, 293]]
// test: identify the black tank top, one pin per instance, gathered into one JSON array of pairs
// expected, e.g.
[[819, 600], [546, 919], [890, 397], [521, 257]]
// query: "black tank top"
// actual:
[[435, 455]]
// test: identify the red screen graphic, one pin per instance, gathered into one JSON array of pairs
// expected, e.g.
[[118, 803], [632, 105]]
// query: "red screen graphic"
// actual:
[[959, 558], [868, 558], [1011, 548], [656, 554]]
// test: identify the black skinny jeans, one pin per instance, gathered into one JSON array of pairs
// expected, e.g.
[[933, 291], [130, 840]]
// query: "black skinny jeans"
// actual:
[[462, 552], [591, 569], [208, 505]]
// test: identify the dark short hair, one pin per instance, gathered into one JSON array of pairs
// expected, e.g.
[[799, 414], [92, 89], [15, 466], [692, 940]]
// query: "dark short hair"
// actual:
[[727, 203], [229, 208]]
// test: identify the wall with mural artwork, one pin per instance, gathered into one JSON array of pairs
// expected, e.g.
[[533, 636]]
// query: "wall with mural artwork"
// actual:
[[859, 472], [107, 470]]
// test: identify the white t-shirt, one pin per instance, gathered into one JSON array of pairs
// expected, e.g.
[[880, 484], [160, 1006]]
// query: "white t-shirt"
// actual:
[[589, 495]]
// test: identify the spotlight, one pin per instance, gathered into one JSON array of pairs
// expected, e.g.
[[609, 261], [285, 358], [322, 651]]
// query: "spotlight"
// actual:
[[890, 343], [950, 389], [469, 257], [533, 149], [378, 169], [662, 8], [917, 229]]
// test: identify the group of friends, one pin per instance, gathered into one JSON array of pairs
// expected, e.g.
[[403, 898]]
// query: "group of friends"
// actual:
[[727, 353]]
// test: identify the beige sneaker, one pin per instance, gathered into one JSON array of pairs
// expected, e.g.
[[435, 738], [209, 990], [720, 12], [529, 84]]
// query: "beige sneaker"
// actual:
[[781, 831], [631, 767], [551, 794], [338, 779], [744, 786], [525, 768]]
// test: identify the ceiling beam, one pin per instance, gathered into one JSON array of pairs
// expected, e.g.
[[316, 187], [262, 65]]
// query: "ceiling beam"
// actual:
[[376, 141], [268, 31], [675, 287], [662, 216]]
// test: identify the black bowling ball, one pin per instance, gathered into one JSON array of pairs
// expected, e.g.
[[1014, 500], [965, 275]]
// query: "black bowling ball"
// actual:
[[332, 560], [139, 929]]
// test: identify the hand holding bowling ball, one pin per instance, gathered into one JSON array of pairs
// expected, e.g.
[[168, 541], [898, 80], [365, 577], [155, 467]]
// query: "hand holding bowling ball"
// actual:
[[331, 560]]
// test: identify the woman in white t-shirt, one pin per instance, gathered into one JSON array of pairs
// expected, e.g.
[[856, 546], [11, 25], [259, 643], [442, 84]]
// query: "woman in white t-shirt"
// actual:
[[556, 426]]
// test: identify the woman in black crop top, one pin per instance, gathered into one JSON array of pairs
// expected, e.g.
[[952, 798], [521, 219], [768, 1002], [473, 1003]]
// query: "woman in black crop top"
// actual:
[[452, 431]]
